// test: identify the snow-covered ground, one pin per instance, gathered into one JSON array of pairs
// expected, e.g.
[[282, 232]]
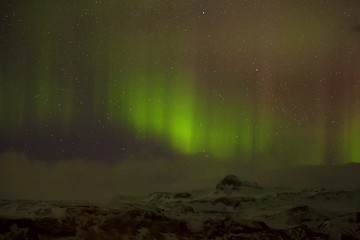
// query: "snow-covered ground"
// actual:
[[233, 209]]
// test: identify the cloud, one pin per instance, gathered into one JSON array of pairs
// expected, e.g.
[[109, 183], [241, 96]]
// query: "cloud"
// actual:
[[78, 179], [23, 178]]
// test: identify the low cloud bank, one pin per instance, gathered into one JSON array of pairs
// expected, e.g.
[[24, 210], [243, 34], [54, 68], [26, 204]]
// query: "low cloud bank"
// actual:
[[22, 178]]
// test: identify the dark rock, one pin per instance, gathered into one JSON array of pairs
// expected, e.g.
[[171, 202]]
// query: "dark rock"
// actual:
[[182, 195], [232, 228], [303, 232], [48, 227], [345, 236], [185, 209], [231, 181], [153, 216], [134, 213], [223, 200], [157, 196], [298, 209], [234, 202], [302, 214]]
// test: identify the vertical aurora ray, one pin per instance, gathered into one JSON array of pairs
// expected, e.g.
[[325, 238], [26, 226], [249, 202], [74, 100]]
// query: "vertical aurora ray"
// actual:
[[42, 93], [115, 99], [99, 91], [117, 103], [317, 150], [222, 139], [15, 94], [263, 129], [42, 96], [181, 116], [245, 132], [1, 100], [201, 126], [231, 130], [100, 64], [139, 100], [66, 108], [157, 103], [99, 97], [354, 144], [351, 139]]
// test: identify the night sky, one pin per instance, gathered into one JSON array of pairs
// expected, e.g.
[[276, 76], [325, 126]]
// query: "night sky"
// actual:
[[269, 83]]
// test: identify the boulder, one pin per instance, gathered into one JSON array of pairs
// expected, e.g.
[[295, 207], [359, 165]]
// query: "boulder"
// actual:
[[230, 181]]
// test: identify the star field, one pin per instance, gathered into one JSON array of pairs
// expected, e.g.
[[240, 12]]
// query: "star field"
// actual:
[[266, 82]]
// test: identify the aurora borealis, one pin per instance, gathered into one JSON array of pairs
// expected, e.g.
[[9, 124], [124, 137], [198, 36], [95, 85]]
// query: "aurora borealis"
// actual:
[[274, 83]]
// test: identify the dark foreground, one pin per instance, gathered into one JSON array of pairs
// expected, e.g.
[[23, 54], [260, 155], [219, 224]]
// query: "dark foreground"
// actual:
[[233, 210]]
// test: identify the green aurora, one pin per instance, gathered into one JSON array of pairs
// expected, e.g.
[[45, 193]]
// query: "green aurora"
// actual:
[[276, 83]]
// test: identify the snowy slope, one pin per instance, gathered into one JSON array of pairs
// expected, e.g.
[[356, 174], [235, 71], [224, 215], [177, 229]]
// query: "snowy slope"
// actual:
[[232, 210]]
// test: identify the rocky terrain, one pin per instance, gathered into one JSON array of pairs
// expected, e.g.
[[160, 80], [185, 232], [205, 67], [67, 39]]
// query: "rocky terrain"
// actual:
[[233, 210]]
